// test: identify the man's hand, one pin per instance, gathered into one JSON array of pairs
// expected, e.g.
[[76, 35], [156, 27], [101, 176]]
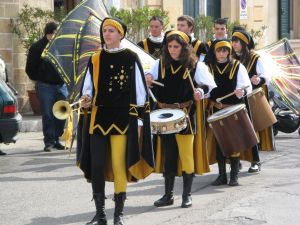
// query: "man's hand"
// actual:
[[86, 101], [198, 94]]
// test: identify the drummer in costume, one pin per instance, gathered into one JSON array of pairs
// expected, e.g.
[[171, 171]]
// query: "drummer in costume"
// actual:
[[243, 45], [153, 44], [230, 76], [185, 24], [182, 153], [114, 88]]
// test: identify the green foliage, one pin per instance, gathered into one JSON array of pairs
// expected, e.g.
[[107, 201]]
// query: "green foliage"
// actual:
[[204, 29], [137, 20], [30, 22]]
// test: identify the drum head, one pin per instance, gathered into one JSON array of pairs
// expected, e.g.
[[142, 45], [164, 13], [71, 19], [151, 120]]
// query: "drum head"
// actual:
[[223, 113], [165, 115]]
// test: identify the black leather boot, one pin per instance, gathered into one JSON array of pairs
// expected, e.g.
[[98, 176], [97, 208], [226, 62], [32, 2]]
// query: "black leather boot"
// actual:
[[168, 198], [187, 186], [119, 206], [234, 164], [100, 217], [222, 178]]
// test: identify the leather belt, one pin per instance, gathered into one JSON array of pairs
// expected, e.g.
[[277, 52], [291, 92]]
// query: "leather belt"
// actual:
[[175, 105]]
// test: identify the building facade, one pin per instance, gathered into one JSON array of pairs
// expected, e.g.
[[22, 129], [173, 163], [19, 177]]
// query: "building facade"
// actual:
[[280, 17]]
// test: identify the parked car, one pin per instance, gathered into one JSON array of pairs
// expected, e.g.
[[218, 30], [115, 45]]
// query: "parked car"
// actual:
[[10, 118]]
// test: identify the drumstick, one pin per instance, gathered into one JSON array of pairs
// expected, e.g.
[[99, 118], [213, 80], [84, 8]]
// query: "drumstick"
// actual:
[[230, 94], [191, 81], [152, 95], [158, 83]]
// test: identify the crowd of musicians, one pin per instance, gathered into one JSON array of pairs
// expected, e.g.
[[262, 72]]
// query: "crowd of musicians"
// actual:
[[116, 141]]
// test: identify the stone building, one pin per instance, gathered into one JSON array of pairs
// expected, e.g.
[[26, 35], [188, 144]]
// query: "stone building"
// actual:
[[280, 16]]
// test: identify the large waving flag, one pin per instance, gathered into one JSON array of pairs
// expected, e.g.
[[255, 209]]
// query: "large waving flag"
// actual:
[[76, 39], [62, 50], [283, 64]]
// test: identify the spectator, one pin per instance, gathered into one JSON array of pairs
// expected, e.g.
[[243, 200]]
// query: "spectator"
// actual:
[[49, 88]]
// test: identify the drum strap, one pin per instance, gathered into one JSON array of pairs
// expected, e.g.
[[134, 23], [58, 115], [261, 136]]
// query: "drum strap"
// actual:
[[217, 105], [175, 105]]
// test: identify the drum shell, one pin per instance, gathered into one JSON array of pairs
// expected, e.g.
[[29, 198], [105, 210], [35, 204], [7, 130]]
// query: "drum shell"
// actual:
[[234, 133], [261, 111]]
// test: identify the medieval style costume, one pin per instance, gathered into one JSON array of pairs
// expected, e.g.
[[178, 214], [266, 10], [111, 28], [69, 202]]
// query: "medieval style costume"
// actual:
[[229, 76], [152, 45], [184, 152], [255, 67], [112, 150]]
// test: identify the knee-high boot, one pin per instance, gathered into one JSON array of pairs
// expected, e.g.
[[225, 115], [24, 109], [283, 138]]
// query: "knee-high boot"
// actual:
[[222, 178], [187, 187], [167, 198], [119, 206], [234, 164], [100, 217]]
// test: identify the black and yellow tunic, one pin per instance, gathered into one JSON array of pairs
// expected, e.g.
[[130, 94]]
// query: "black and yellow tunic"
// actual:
[[151, 47], [254, 67], [199, 48], [115, 110], [225, 76]]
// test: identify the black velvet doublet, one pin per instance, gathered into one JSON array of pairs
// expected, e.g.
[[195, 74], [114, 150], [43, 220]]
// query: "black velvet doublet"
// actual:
[[177, 88], [225, 76], [151, 47], [117, 71]]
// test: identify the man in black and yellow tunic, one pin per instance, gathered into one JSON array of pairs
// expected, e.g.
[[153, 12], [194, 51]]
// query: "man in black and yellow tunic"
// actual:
[[116, 148], [185, 24], [243, 46], [153, 44], [230, 76]]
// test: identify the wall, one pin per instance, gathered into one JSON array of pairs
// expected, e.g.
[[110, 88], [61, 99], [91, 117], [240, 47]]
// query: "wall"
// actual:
[[11, 50]]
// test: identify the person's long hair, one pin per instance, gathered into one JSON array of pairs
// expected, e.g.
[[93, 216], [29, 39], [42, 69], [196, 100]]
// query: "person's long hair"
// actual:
[[245, 54], [187, 57]]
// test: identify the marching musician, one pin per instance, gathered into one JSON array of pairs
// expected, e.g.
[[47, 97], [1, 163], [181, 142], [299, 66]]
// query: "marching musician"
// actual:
[[186, 24], [176, 69], [219, 30], [153, 44], [115, 90], [230, 76], [243, 45]]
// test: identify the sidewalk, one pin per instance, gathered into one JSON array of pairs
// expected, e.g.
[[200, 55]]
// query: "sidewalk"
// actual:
[[31, 123]]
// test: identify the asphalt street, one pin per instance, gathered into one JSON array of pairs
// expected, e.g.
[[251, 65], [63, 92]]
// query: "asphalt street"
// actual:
[[39, 188]]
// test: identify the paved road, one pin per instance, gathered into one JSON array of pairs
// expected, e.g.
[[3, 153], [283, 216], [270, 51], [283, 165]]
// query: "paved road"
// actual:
[[39, 188]]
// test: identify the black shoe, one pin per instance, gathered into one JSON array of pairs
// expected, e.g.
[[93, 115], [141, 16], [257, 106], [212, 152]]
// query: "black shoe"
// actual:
[[2, 153], [48, 148], [221, 180], [254, 168], [59, 146], [165, 200]]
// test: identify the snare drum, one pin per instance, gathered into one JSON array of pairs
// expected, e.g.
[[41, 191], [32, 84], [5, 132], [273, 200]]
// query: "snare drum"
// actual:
[[168, 121], [233, 129], [260, 109]]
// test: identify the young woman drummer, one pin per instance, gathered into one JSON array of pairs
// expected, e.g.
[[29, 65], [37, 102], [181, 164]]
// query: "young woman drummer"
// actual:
[[177, 69], [243, 45], [230, 76]]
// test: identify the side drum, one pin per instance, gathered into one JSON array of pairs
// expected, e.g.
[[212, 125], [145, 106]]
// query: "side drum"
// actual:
[[168, 121], [233, 129], [260, 109]]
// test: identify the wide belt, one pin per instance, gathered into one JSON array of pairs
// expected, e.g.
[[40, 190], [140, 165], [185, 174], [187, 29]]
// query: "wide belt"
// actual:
[[175, 105]]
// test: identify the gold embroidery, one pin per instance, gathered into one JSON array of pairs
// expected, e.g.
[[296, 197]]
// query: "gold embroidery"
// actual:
[[175, 71], [221, 72]]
